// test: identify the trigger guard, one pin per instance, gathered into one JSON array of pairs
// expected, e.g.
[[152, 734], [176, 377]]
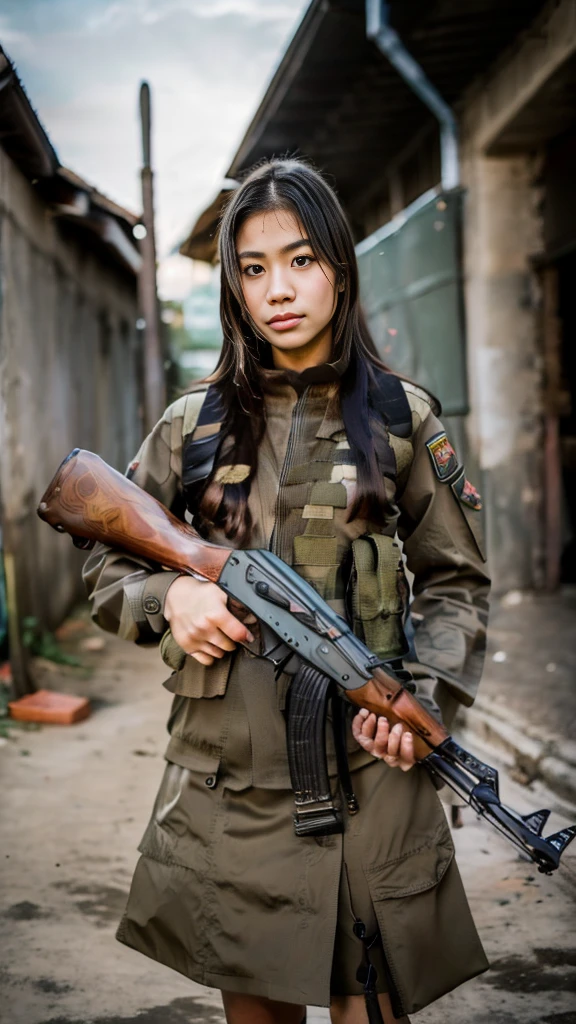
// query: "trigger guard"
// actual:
[[275, 650]]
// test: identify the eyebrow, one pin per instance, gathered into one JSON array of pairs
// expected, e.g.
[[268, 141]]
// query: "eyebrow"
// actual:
[[287, 248]]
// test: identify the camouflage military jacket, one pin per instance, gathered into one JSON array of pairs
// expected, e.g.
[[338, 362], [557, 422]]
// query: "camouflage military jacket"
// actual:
[[299, 501]]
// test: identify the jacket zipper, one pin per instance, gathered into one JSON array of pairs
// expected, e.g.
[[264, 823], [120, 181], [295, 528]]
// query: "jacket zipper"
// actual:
[[277, 535]]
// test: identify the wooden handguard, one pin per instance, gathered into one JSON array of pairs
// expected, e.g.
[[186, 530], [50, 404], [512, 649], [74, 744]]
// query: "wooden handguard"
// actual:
[[384, 696], [87, 498]]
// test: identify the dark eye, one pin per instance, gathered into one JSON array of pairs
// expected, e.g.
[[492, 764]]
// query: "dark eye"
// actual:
[[254, 270], [302, 261]]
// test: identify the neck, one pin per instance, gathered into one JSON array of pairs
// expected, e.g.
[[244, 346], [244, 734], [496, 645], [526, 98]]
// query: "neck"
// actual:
[[314, 353]]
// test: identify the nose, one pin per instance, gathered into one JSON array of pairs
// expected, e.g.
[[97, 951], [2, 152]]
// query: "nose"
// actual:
[[280, 288]]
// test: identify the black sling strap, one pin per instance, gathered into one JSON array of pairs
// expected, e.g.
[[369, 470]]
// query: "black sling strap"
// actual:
[[198, 456], [388, 398]]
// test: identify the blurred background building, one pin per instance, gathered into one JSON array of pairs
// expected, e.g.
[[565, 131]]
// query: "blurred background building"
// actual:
[[70, 367]]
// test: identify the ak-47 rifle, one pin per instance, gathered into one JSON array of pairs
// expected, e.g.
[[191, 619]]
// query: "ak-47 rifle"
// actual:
[[92, 502]]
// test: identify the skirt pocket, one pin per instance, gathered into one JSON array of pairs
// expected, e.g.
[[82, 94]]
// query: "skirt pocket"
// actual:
[[429, 938], [181, 820]]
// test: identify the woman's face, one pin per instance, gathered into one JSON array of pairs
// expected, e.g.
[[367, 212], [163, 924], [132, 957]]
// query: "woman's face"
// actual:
[[289, 294]]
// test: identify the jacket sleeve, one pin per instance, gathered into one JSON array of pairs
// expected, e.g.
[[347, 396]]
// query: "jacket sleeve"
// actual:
[[127, 593], [440, 526]]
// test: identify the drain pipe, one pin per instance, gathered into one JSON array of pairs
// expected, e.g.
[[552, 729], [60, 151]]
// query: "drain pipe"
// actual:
[[389, 43]]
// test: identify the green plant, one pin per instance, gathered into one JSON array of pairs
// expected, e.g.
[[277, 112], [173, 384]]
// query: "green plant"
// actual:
[[43, 644]]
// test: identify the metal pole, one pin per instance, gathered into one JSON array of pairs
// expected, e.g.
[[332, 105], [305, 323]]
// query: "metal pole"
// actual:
[[154, 384], [389, 43]]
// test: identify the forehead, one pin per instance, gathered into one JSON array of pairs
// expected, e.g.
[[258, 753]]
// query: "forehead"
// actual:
[[269, 231]]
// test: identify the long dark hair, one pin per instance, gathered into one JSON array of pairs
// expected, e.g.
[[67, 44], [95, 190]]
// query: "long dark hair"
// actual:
[[240, 374]]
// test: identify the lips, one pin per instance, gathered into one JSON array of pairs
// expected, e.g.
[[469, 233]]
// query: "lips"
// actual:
[[284, 321]]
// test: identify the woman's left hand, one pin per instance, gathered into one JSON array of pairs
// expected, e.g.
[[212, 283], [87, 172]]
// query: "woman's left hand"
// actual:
[[394, 746]]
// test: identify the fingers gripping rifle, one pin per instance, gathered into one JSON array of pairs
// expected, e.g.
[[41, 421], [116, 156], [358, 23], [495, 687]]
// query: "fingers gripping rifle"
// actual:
[[92, 502]]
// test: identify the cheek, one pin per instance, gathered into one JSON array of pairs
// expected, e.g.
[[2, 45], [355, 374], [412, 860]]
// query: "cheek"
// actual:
[[320, 292], [252, 290]]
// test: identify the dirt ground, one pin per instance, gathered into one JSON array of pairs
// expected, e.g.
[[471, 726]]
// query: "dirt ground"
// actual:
[[73, 804]]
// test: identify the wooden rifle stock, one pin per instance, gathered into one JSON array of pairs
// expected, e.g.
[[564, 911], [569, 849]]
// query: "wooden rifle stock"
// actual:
[[88, 499]]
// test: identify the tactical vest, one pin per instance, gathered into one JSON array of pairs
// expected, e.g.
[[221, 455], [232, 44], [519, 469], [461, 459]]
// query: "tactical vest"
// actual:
[[369, 586], [363, 580]]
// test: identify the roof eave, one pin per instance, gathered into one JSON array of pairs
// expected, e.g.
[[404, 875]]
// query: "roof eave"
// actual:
[[27, 144], [201, 242], [281, 80], [71, 199]]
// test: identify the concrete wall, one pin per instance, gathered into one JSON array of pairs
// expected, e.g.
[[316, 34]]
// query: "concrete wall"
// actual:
[[68, 378], [501, 171], [502, 230]]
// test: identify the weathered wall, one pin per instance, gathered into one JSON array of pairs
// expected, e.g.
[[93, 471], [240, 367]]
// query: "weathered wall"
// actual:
[[501, 171], [505, 119], [502, 231], [68, 377]]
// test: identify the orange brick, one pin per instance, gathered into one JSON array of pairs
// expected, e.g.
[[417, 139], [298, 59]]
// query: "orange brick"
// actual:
[[48, 706]]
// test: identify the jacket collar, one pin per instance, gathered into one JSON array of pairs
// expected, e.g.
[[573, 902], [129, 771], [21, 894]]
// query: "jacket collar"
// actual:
[[324, 373]]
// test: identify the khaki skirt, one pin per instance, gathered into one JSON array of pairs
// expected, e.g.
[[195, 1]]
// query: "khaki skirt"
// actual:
[[226, 894]]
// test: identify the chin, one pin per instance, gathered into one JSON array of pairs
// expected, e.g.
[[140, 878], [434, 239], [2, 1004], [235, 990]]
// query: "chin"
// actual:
[[294, 342]]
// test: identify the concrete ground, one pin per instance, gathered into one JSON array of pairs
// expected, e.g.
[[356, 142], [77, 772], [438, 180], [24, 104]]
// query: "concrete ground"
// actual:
[[73, 804], [527, 701], [531, 663]]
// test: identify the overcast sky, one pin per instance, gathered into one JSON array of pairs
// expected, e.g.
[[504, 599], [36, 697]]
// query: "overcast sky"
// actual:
[[208, 63]]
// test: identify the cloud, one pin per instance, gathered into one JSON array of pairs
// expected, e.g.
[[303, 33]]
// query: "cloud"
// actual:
[[71, 16], [150, 12], [207, 61]]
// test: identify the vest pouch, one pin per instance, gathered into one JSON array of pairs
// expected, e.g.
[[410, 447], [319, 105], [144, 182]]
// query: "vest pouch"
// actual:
[[316, 558], [379, 595]]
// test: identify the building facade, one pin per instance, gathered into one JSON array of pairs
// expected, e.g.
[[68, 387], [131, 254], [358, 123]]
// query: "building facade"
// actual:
[[69, 353]]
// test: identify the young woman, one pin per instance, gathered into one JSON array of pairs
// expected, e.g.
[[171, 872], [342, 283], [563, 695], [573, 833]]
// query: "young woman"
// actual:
[[301, 442]]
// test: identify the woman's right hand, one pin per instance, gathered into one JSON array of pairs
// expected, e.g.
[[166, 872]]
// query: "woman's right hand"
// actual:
[[200, 621]]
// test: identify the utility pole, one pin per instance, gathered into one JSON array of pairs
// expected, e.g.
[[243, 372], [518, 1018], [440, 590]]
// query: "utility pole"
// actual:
[[154, 384]]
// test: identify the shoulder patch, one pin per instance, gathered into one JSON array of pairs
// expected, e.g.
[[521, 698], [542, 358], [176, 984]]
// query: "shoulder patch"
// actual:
[[444, 458], [467, 493]]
